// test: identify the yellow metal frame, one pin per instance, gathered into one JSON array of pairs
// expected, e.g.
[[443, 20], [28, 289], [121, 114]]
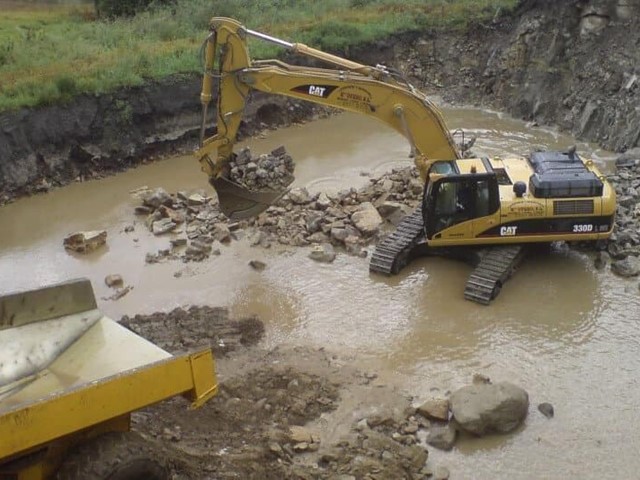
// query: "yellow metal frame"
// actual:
[[28, 426], [36, 434]]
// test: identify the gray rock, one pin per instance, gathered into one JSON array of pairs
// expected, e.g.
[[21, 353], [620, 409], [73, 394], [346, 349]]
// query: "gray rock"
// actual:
[[487, 408], [318, 237], [299, 434], [601, 260], [257, 265], [629, 159], [299, 196], [85, 242], [339, 234], [367, 219], [142, 210], [323, 202], [221, 232], [441, 473], [394, 212], [196, 199], [113, 281], [323, 253], [442, 437], [156, 198], [546, 409], [163, 226], [435, 408], [629, 267], [178, 242]]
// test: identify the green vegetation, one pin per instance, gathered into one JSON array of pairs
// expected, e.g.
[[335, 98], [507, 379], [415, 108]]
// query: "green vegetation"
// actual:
[[50, 54]]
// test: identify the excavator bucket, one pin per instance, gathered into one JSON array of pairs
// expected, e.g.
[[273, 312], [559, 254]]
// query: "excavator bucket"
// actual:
[[238, 202]]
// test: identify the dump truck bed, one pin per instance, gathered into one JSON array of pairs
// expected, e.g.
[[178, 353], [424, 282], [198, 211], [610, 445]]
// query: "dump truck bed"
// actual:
[[105, 373]]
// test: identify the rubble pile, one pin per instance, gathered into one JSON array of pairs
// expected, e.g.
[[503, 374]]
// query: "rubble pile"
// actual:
[[272, 171], [350, 219], [625, 241]]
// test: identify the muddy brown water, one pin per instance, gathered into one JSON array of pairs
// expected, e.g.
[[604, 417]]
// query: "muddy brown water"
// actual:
[[562, 330]]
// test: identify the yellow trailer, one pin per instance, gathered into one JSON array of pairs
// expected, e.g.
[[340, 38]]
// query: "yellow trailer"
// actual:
[[70, 378]]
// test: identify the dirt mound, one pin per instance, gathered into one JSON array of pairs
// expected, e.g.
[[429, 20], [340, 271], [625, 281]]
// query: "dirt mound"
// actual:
[[276, 411], [185, 330], [239, 433]]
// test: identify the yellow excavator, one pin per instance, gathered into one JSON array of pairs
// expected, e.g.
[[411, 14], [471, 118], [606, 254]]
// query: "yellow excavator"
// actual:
[[499, 204]]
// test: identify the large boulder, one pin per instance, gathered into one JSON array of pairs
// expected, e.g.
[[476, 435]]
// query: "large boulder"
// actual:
[[367, 219], [489, 408]]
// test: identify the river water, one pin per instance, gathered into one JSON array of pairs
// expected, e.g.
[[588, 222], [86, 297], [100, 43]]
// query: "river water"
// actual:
[[566, 332]]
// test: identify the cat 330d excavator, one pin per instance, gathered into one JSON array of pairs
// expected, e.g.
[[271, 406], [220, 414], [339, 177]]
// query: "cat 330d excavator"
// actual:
[[497, 204]]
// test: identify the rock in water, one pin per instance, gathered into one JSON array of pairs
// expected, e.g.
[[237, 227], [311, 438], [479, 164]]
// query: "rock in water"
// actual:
[[156, 198], [367, 219], [323, 253], [488, 408], [257, 265], [272, 171], [435, 409], [113, 281], [442, 437], [85, 242], [629, 267], [546, 409]]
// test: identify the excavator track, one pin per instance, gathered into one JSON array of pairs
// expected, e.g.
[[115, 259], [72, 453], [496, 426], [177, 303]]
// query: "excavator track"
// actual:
[[393, 252], [495, 267]]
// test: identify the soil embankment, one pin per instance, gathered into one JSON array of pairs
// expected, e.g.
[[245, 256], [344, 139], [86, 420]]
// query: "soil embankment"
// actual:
[[573, 64]]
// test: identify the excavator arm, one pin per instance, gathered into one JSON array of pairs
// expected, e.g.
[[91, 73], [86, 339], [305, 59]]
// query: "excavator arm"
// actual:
[[374, 91]]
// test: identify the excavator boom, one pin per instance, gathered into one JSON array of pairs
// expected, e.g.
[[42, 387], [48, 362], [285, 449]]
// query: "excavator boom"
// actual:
[[377, 91]]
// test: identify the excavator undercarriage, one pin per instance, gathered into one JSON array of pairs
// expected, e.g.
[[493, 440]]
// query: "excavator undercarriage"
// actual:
[[493, 266]]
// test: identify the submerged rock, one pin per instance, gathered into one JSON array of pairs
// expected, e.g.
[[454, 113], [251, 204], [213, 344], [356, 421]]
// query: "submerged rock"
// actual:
[[323, 253], [85, 242], [546, 409], [113, 281]]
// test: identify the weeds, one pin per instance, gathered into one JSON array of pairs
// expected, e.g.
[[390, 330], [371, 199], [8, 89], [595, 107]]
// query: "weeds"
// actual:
[[51, 54]]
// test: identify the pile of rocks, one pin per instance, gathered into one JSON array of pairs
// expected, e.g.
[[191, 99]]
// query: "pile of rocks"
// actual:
[[624, 244], [272, 171], [350, 219]]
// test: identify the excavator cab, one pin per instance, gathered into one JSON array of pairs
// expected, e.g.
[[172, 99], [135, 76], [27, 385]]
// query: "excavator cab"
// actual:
[[455, 198]]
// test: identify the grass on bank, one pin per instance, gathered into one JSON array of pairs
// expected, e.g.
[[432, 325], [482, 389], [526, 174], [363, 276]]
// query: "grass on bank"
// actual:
[[50, 54]]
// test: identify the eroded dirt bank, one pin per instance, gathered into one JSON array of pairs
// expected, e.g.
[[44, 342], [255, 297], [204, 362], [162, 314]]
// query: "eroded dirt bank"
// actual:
[[573, 64]]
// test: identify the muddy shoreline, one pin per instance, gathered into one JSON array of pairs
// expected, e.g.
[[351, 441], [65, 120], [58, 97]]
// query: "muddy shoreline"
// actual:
[[571, 64]]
